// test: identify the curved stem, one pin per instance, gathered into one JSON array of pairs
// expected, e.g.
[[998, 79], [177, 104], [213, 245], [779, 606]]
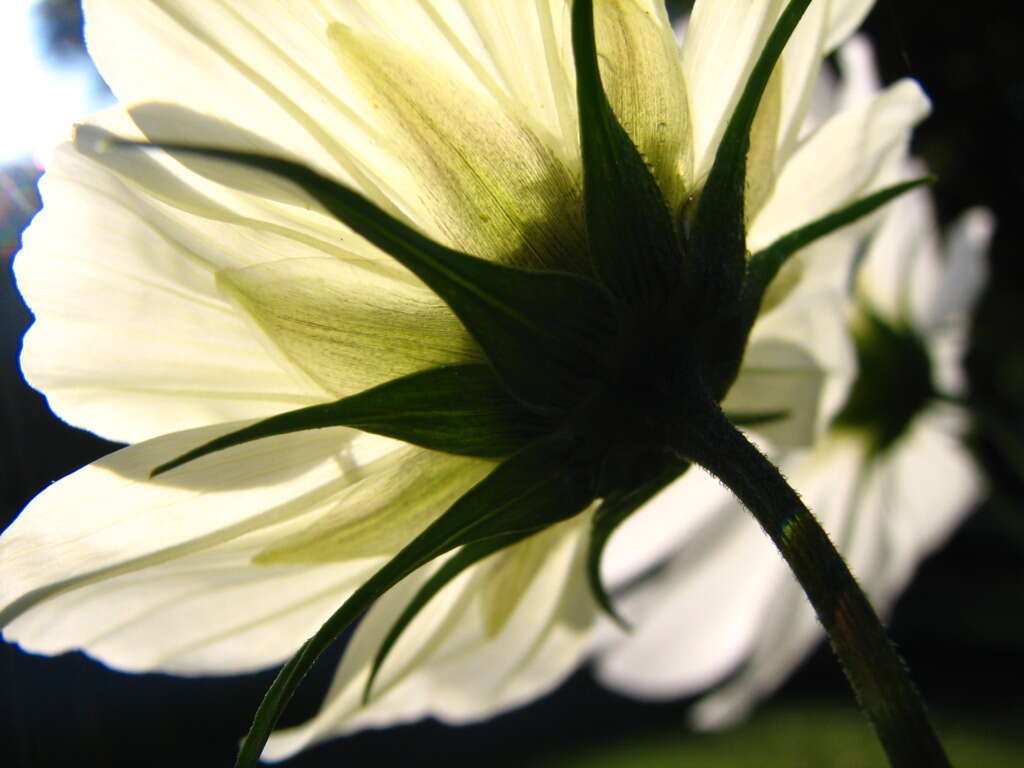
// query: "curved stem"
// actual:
[[877, 674]]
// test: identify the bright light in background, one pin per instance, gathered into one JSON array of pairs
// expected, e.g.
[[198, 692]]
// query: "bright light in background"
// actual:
[[43, 99]]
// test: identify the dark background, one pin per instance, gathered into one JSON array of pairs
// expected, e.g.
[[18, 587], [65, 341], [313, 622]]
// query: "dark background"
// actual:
[[960, 625]]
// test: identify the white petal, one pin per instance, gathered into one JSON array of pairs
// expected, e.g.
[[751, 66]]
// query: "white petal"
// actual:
[[965, 272], [201, 54], [699, 618], [109, 519], [237, 218], [801, 362], [132, 338], [851, 155], [926, 487], [446, 664], [903, 259], [859, 81], [173, 574], [824, 26], [397, 497], [723, 40], [650, 535], [844, 17]]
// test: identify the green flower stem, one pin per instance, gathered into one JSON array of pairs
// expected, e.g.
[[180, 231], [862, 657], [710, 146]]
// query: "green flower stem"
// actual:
[[877, 674]]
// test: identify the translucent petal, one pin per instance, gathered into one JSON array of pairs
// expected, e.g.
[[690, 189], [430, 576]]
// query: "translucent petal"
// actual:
[[239, 217], [641, 71], [800, 361], [943, 318], [856, 152], [510, 60], [203, 55], [399, 496], [723, 40], [965, 272], [446, 664], [132, 338], [844, 17], [698, 618], [903, 251], [149, 574], [492, 187], [933, 483], [347, 327], [650, 535], [825, 25]]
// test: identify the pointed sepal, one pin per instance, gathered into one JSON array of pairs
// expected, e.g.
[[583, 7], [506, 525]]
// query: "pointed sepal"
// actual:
[[616, 507], [632, 240], [534, 489], [718, 234], [460, 409], [547, 334], [469, 555], [765, 264]]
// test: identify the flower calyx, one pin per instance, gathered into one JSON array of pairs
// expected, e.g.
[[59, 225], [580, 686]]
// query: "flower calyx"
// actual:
[[593, 382]]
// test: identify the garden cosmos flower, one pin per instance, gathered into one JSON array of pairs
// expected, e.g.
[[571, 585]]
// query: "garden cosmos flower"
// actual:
[[890, 480], [179, 298]]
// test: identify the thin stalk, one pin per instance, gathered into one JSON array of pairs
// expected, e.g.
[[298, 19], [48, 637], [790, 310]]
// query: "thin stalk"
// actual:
[[876, 672]]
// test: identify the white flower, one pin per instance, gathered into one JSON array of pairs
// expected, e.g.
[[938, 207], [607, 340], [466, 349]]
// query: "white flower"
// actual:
[[890, 480], [177, 299]]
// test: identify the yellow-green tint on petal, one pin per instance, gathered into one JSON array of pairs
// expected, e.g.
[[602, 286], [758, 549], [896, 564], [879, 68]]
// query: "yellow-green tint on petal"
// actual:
[[642, 75], [491, 185], [348, 328], [508, 580], [401, 494], [761, 155]]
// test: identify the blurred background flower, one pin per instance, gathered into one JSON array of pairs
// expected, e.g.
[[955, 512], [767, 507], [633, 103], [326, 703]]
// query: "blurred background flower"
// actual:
[[961, 622]]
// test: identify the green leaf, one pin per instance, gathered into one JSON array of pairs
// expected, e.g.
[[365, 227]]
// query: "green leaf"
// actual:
[[460, 409], [547, 334], [765, 264], [632, 240], [718, 236], [467, 556], [536, 488], [614, 509]]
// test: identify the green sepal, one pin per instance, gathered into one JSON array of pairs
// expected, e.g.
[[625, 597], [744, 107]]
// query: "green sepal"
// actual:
[[718, 234], [532, 490], [460, 409], [756, 418], [545, 333], [613, 510], [467, 556], [632, 240], [765, 264]]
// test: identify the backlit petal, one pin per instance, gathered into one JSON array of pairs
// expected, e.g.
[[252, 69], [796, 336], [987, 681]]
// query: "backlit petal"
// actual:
[[132, 337], [446, 664], [856, 152]]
